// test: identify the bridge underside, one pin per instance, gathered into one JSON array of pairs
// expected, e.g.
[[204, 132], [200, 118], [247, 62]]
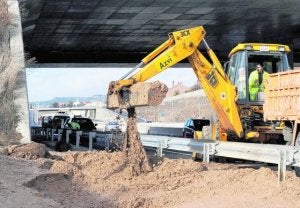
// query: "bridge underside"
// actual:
[[80, 31]]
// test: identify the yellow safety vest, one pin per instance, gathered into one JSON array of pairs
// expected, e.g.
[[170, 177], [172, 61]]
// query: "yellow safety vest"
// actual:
[[254, 86]]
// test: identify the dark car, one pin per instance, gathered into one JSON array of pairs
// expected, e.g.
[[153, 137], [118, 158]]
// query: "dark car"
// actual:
[[86, 125], [60, 121], [192, 125], [55, 122], [47, 121]]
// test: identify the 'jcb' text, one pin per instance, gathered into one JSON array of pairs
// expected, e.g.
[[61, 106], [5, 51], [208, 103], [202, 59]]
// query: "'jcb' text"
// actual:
[[185, 33], [166, 63], [212, 79]]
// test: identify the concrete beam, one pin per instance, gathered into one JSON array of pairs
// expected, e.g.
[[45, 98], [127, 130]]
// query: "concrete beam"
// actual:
[[17, 53]]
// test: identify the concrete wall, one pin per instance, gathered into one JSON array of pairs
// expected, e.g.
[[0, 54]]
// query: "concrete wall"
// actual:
[[16, 45], [179, 108]]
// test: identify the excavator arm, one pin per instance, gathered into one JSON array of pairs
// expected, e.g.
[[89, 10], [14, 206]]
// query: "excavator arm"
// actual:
[[182, 44], [179, 46]]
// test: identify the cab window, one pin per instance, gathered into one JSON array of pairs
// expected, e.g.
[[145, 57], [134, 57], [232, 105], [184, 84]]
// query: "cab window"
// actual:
[[232, 68], [240, 76], [272, 63], [237, 73]]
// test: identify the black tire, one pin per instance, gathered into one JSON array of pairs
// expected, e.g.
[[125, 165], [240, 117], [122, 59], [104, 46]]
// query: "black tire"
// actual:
[[62, 146]]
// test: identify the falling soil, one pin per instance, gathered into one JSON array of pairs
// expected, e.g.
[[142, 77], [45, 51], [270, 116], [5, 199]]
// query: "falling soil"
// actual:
[[133, 148]]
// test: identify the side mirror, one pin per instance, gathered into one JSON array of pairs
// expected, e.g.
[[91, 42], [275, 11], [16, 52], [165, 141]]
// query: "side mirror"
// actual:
[[226, 66]]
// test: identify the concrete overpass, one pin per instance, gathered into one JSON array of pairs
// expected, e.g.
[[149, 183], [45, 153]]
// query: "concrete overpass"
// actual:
[[123, 31], [113, 31]]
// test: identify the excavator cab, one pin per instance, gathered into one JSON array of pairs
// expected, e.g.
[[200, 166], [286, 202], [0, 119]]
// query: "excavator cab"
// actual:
[[243, 60], [243, 74]]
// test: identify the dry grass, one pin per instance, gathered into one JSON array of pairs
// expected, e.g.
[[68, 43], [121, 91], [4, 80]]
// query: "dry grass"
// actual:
[[8, 76]]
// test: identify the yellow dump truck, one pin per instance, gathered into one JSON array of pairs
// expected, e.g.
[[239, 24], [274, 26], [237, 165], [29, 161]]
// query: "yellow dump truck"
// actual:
[[236, 92]]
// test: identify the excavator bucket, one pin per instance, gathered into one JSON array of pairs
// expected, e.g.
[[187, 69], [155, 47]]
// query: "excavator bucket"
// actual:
[[137, 95]]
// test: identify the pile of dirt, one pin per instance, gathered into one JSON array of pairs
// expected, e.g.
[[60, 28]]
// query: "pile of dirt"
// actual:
[[28, 151], [98, 178], [175, 183], [102, 179]]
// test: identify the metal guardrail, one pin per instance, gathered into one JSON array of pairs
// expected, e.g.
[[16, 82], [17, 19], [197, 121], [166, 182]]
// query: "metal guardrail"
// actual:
[[281, 155], [49, 134]]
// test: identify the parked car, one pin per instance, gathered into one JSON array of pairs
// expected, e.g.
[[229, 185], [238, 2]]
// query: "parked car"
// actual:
[[47, 121], [60, 121], [192, 126], [86, 125], [57, 121], [100, 125], [112, 125]]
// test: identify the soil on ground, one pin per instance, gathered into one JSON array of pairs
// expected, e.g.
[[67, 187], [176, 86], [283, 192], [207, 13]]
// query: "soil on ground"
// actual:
[[101, 179]]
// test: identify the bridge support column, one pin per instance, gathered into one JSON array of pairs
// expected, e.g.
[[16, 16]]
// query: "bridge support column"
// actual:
[[18, 66]]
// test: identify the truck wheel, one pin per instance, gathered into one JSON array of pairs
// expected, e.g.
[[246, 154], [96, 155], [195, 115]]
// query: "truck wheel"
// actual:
[[297, 143]]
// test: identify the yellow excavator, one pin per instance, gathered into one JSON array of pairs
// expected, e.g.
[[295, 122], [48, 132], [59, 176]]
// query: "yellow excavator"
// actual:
[[240, 118]]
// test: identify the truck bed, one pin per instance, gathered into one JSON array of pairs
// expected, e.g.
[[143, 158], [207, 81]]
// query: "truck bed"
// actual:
[[282, 96]]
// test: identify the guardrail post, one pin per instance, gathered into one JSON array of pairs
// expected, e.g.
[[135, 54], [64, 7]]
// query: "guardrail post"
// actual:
[[281, 166], [59, 131], [68, 132], [106, 142], [160, 148], [91, 137], [47, 133], [206, 153], [78, 134], [52, 134]]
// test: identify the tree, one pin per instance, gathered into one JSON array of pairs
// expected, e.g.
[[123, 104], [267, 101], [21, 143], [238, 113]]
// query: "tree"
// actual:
[[70, 104], [55, 105]]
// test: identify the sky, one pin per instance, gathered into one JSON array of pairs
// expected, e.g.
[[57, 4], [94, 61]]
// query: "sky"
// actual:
[[47, 83]]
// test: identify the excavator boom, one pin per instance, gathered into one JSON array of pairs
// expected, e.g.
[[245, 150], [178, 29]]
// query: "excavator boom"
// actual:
[[218, 89], [133, 91], [180, 45]]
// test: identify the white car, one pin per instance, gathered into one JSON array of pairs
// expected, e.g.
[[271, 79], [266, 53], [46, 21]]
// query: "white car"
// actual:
[[100, 125], [112, 125]]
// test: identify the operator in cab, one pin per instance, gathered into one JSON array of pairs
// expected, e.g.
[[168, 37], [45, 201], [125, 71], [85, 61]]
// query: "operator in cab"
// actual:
[[257, 80]]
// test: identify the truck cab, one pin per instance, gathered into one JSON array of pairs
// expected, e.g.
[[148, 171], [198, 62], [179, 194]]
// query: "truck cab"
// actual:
[[243, 60]]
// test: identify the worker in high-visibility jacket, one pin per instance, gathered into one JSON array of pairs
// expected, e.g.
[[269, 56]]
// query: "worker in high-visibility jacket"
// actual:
[[74, 125], [257, 81]]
